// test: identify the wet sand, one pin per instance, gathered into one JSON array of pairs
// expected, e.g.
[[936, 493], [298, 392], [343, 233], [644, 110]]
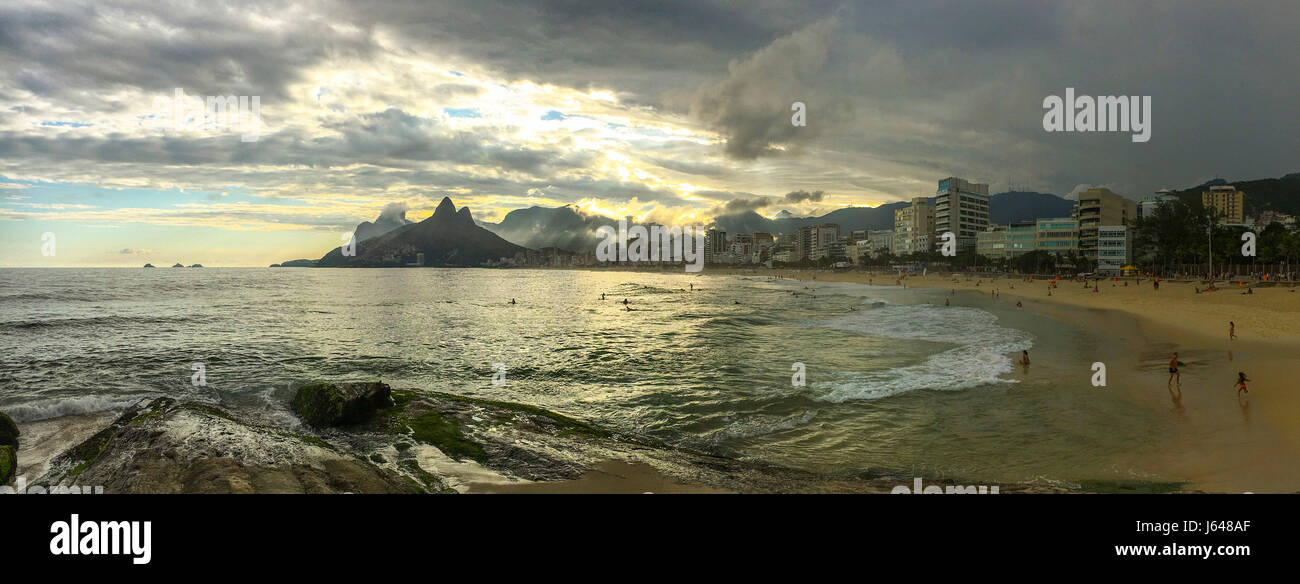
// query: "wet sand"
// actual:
[[42, 440]]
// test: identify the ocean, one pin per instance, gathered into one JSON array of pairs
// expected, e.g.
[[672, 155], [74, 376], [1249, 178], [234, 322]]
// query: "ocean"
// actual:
[[896, 382]]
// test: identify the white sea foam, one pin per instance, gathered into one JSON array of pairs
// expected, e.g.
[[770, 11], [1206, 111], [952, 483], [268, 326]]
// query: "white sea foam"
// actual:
[[983, 352], [72, 406]]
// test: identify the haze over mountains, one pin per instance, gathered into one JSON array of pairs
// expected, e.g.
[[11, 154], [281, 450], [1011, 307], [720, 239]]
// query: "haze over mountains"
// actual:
[[452, 237], [570, 228]]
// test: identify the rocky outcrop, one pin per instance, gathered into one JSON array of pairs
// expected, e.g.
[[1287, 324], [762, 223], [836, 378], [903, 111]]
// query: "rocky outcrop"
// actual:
[[8, 448], [8, 431], [421, 442], [335, 404], [166, 446], [8, 463]]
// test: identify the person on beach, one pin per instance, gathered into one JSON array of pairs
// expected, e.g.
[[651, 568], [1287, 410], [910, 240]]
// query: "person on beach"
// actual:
[[512, 300], [602, 295], [1019, 305], [1173, 371], [1232, 331], [1024, 357], [624, 302], [1240, 386], [946, 303]]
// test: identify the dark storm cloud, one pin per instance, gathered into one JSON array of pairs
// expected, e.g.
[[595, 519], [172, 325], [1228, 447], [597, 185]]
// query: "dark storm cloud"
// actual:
[[388, 138], [801, 196], [752, 107], [79, 52], [897, 92], [741, 205]]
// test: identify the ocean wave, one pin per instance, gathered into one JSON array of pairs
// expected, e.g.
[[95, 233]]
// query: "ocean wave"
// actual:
[[980, 357], [45, 410], [93, 321], [762, 425]]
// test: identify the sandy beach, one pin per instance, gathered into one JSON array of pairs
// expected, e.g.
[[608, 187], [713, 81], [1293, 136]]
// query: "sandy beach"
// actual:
[[1230, 436]]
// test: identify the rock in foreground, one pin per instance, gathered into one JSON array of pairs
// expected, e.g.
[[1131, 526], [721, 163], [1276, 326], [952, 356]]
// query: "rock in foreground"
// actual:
[[8, 463], [172, 447], [8, 431], [336, 404]]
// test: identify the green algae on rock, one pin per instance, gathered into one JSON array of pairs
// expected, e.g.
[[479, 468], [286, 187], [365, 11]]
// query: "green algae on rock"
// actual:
[[335, 404]]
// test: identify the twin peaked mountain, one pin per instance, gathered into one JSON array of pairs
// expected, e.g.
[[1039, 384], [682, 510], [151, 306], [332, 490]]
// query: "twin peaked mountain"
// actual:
[[447, 238]]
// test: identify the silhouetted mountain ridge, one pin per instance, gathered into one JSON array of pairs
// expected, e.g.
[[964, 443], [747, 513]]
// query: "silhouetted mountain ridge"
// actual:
[[447, 238]]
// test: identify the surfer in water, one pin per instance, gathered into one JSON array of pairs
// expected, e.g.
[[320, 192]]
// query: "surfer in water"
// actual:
[[512, 300]]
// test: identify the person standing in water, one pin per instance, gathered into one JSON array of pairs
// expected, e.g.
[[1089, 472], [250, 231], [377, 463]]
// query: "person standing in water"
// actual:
[[1024, 357], [1240, 386], [1232, 331], [1173, 371]]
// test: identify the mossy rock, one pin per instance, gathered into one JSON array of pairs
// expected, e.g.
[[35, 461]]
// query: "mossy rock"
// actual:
[[336, 404], [8, 431], [445, 433], [8, 463]]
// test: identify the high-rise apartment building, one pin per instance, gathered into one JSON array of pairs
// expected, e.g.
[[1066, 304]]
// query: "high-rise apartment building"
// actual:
[[824, 239], [962, 207], [1114, 248], [1098, 207], [1228, 202], [715, 244], [914, 227]]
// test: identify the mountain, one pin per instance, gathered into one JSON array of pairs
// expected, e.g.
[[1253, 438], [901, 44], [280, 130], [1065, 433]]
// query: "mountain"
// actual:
[[1265, 194], [392, 217], [447, 238], [1013, 206], [566, 227]]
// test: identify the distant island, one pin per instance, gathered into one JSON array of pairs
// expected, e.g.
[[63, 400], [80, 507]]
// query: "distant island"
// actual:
[[178, 265], [148, 265], [296, 264]]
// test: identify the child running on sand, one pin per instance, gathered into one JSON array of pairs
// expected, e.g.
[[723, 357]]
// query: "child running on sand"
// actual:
[[1241, 383]]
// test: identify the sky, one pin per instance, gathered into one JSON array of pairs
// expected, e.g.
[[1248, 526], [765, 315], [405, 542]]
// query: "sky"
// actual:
[[673, 112]]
